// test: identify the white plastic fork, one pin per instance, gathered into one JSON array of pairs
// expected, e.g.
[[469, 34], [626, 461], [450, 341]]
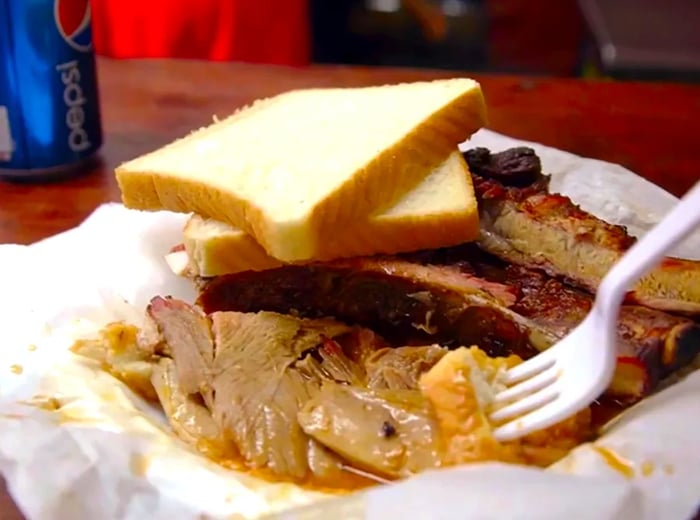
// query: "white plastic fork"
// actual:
[[571, 374]]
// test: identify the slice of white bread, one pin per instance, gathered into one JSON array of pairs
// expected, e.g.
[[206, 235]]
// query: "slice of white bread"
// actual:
[[290, 169], [440, 212]]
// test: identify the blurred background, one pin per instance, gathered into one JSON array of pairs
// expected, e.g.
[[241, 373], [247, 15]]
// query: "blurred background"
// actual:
[[617, 39], [649, 39]]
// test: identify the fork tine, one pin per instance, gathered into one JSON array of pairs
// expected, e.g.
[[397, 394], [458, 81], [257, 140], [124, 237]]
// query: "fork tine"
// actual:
[[528, 386], [528, 369], [544, 396], [540, 418]]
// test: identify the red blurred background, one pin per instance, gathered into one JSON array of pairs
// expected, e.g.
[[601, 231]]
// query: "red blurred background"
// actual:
[[544, 37]]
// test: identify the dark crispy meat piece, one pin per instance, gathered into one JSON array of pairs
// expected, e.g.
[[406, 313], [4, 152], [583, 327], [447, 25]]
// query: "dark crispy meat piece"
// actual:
[[651, 343], [514, 167], [533, 228], [405, 302]]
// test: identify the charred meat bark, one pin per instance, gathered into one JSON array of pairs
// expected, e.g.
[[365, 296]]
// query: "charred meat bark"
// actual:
[[405, 302], [524, 224], [651, 344], [371, 293], [520, 166]]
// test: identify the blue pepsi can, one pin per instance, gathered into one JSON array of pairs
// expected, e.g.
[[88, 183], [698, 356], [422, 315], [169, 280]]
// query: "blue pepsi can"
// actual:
[[49, 107]]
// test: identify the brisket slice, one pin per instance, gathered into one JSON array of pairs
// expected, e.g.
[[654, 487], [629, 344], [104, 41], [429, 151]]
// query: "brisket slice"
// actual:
[[523, 224], [651, 344], [407, 309], [405, 302]]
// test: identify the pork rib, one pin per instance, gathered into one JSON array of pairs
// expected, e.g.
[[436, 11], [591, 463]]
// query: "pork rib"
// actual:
[[651, 343], [525, 225]]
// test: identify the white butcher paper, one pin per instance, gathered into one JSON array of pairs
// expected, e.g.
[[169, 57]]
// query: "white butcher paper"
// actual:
[[108, 454]]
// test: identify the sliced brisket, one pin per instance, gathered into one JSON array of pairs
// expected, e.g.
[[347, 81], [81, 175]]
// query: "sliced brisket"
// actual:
[[410, 310], [405, 302]]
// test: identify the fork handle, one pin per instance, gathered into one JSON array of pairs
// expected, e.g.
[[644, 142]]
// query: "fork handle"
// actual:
[[649, 250]]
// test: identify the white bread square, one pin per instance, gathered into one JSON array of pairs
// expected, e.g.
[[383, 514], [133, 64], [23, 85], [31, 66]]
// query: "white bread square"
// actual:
[[289, 169], [440, 212]]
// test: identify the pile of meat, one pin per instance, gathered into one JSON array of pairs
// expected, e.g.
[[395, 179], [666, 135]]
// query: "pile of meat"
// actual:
[[528, 280], [309, 371], [309, 399]]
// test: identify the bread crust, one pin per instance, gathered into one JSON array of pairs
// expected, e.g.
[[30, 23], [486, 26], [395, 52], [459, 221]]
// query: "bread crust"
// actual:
[[440, 212], [154, 182]]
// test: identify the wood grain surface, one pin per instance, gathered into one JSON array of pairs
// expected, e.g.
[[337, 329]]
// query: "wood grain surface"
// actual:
[[652, 129]]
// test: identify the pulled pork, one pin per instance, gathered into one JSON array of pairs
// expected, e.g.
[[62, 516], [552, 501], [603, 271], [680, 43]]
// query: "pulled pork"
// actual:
[[311, 398]]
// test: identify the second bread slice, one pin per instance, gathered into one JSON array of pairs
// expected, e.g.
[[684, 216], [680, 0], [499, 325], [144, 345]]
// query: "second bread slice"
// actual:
[[441, 211], [290, 168]]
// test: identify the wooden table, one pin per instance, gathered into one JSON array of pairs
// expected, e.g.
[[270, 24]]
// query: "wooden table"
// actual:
[[650, 128]]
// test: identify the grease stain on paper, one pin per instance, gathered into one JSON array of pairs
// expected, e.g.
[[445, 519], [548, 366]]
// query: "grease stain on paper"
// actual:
[[139, 464], [44, 402], [14, 416], [615, 461]]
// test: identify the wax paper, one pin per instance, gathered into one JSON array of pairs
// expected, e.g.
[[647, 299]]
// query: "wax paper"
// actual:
[[77, 444]]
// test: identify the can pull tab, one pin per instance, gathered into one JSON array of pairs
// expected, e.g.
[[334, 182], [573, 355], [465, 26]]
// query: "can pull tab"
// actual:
[[5, 137]]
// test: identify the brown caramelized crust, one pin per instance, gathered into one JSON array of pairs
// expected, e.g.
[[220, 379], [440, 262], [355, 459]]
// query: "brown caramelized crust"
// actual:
[[528, 226], [651, 344], [405, 302], [386, 295]]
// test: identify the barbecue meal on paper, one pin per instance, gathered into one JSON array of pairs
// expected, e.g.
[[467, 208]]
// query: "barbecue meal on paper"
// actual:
[[362, 284]]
